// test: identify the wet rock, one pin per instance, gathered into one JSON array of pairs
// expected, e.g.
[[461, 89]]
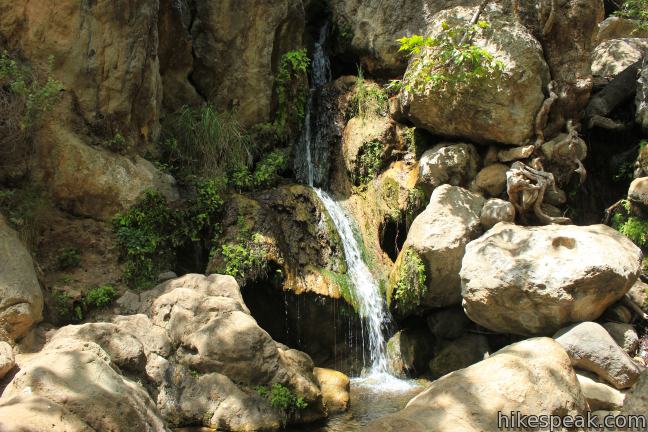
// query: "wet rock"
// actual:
[[454, 164], [450, 323], [590, 347], [496, 210], [492, 180], [335, 389], [408, 352], [469, 400], [624, 335], [21, 299], [365, 145], [613, 56], [535, 280], [433, 251], [458, 354]]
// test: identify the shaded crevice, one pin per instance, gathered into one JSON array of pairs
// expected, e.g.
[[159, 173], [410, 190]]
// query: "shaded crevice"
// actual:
[[393, 232]]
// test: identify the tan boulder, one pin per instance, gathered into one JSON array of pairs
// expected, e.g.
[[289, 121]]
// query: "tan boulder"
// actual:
[[535, 280], [492, 179], [638, 191], [495, 211], [447, 163], [600, 396], [7, 360], [517, 378], [335, 389], [612, 56], [614, 27], [21, 299]]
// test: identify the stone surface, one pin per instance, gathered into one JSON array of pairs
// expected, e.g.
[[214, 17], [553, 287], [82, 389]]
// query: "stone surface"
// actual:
[[492, 180], [504, 112], [408, 352], [114, 80], [535, 280], [515, 153], [641, 99], [516, 378], [7, 360], [82, 390], [636, 402], [454, 164], [614, 27], [439, 236], [638, 191], [612, 56], [639, 294], [590, 347], [624, 335], [458, 354], [94, 182], [21, 299], [335, 389], [359, 135], [448, 323], [496, 210], [600, 396]]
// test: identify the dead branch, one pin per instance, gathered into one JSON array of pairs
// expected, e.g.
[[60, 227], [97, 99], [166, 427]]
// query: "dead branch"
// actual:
[[542, 118]]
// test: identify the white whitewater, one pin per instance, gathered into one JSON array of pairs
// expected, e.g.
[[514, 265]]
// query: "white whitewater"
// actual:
[[369, 301]]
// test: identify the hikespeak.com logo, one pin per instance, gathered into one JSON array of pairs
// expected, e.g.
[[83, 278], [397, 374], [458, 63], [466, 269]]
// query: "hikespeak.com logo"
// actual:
[[516, 421]]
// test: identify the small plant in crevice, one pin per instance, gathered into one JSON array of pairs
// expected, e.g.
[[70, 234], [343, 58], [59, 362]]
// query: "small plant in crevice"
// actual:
[[280, 397], [245, 257], [291, 89], [633, 227], [117, 144], [448, 63], [100, 296], [368, 99], [368, 162], [68, 258], [410, 288]]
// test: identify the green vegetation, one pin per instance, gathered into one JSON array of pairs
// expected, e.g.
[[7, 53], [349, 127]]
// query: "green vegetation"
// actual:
[[100, 296], [31, 96], [368, 163], [449, 63], [344, 285], [117, 144], [266, 173], [204, 141], [244, 258], [25, 209], [280, 397], [368, 99], [410, 287], [625, 173], [291, 86], [636, 229], [635, 10], [68, 258]]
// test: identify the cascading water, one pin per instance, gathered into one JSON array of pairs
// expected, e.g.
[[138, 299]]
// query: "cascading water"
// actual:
[[370, 303]]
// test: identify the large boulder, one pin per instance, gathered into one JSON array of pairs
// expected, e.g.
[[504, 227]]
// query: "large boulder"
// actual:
[[365, 144], [21, 298], [105, 53], [426, 273], [590, 347], [614, 27], [236, 48], [503, 111], [335, 389], [94, 182], [636, 402], [408, 352], [82, 390], [613, 56], [535, 280], [517, 378], [446, 163], [7, 360], [459, 354]]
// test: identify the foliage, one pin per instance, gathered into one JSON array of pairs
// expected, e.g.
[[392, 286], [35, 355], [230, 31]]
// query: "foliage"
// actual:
[[635, 10], [203, 141], [67, 310], [117, 144], [449, 63], [68, 258], [636, 229], [268, 169], [368, 163], [280, 397], [39, 96], [368, 99], [244, 257], [26, 210], [292, 93], [625, 172], [410, 286], [100, 296]]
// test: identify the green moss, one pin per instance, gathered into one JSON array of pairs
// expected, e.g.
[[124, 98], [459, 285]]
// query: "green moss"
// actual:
[[416, 141], [410, 288], [344, 285], [368, 163], [636, 229]]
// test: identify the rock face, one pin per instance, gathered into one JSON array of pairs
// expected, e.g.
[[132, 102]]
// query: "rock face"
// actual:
[[600, 396], [613, 56], [236, 48], [502, 112], [7, 361], [641, 99], [535, 280], [454, 164], [438, 236], [636, 402], [469, 400], [624, 335], [365, 144], [335, 389], [21, 299], [73, 386], [496, 210], [458, 354], [591, 348], [113, 79], [408, 352], [94, 182]]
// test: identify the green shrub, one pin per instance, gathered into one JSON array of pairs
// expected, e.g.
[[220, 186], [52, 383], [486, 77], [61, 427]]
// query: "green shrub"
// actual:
[[67, 310], [636, 229], [68, 258], [291, 86], [280, 397], [100, 296], [266, 173], [448, 63], [410, 288], [368, 163], [204, 141], [635, 10], [245, 257]]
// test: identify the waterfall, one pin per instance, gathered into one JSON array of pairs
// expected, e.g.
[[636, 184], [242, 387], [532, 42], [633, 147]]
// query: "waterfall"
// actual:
[[371, 306]]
